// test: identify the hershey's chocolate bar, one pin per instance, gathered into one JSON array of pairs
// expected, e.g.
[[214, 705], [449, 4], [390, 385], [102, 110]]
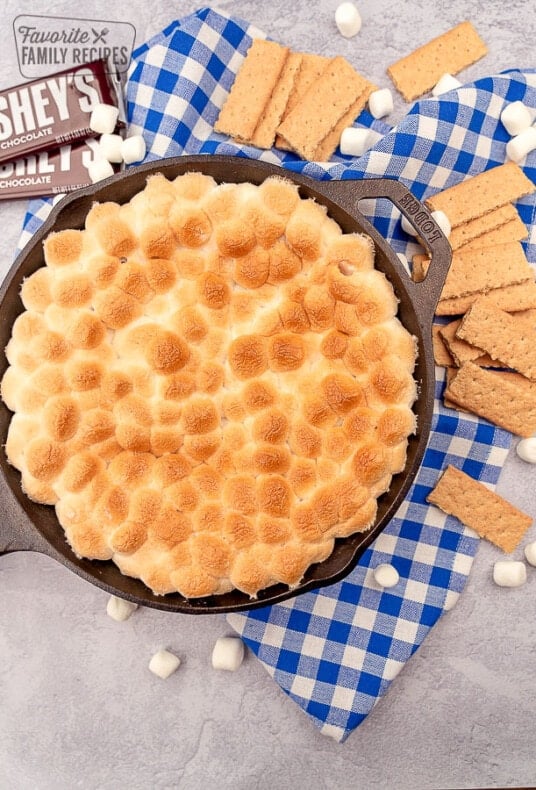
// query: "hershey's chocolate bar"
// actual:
[[48, 173], [49, 112]]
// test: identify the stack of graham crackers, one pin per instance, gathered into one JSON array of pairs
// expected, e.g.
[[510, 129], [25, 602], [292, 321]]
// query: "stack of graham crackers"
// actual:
[[296, 101], [302, 102], [489, 348]]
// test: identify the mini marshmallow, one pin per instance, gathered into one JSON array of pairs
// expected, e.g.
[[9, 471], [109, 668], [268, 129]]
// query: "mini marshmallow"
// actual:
[[103, 118], [386, 575], [516, 117], [526, 450], [119, 609], [354, 142], [521, 145], [446, 83], [443, 221], [110, 147], [163, 664], [509, 573], [133, 149], [228, 653], [530, 553], [99, 169], [408, 227], [381, 103], [346, 268], [348, 20]]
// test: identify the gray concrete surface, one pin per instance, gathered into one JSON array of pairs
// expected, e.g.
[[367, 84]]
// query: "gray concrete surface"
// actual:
[[78, 706]]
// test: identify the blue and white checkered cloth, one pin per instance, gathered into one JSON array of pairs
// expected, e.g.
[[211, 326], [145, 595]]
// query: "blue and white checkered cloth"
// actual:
[[335, 651]]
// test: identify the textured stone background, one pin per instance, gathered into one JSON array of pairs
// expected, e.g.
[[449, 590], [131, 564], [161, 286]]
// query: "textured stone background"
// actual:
[[78, 707]]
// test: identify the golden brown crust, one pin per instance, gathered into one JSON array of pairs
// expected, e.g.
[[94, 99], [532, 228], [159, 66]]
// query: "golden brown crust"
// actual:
[[63, 248], [210, 385]]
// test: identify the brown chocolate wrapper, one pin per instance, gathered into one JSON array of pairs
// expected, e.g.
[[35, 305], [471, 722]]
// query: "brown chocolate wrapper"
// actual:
[[48, 173], [55, 110]]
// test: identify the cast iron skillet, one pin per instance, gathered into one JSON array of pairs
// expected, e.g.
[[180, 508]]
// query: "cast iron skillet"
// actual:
[[27, 526]]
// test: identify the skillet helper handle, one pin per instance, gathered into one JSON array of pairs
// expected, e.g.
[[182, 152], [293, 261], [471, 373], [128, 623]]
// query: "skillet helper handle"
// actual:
[[10, 539], [15, 538], [425, 294], [16, 531]]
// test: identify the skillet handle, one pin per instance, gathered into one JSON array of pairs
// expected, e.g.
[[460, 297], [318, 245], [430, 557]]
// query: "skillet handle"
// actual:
[[425, 294]]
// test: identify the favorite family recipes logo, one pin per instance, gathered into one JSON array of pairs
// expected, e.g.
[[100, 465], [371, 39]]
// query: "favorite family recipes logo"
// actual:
[[46, 43]]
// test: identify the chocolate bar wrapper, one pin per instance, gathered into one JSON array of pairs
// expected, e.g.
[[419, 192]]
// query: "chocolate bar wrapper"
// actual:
[[55, 110], [46, 173]]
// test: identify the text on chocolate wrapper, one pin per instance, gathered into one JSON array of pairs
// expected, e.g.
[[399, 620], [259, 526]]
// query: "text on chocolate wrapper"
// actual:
[[28, 111], [38, 169]]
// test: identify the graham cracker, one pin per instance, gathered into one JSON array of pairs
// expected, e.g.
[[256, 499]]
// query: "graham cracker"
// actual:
[[504, 375], [252, 89], [486, 268], [500, 226], [449, 53], [264, 134], [485, 361], [482, 193], [322, 107], [311, 68], [520, 381], [420, 263], [459, 350], [508, 339], [332, 140], [490, 395], [510, 298], [514, 230], [450, 375], [442, 356], [476, 228], [476, 506]]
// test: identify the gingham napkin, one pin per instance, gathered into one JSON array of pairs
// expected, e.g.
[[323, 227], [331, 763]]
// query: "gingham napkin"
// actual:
[[335, 651]]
